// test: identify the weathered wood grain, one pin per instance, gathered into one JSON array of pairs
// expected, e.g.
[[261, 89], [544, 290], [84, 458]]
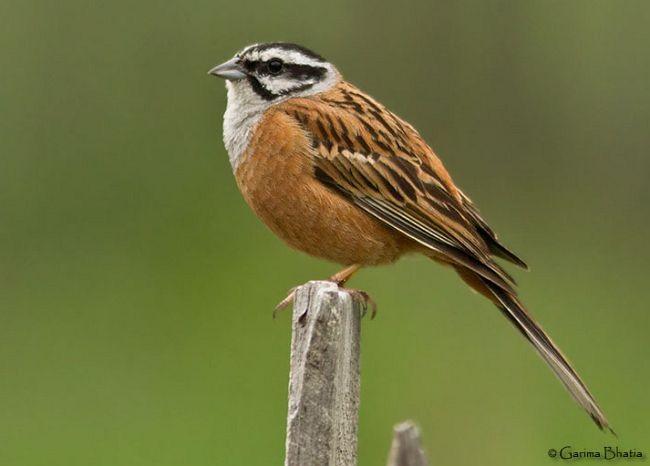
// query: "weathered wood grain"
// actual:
[[324, 377]]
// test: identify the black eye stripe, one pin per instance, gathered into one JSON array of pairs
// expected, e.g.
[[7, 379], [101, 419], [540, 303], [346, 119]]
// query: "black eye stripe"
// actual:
[[305, 76], [304, 72], [291, 70], [249, 65]]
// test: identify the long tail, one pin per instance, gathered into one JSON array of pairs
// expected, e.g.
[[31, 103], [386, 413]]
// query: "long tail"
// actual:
[[514, 310]]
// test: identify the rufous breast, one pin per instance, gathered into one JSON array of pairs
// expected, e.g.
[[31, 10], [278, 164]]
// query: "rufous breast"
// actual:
[[276, 178]]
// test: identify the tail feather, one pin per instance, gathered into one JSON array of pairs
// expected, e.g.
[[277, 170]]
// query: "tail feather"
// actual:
[[514, 310], [517, 314]]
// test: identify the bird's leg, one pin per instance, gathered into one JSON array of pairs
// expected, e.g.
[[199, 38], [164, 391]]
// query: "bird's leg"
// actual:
[[340, 278]]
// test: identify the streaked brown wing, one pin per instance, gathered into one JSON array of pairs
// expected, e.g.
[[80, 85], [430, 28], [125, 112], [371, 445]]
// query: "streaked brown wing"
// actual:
[[369, 187], [489, 236], [382, 165]]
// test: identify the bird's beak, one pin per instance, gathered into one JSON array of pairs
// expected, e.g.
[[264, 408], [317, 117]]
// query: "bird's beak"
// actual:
[[230, 70]]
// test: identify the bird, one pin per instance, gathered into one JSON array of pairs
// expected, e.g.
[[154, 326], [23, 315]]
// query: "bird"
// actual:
[[336, 175]]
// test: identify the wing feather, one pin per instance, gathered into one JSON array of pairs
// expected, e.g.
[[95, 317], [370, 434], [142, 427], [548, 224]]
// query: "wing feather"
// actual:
[[381, 164]]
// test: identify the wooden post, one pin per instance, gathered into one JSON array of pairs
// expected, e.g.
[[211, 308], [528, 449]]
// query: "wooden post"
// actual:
[[324, 377], [406, 449], [324, 383]]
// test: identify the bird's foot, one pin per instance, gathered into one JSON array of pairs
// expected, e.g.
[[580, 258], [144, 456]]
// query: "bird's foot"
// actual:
[[366, 301], [365, 298]]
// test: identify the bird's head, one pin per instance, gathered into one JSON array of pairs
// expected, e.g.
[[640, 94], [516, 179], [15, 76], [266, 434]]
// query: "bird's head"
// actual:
[[268, 73]]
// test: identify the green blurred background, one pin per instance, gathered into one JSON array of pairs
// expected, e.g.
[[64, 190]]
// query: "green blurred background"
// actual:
[[136, 287]]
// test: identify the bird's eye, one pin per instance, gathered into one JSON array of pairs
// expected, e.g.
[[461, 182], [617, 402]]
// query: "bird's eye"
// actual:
[[275, 66]]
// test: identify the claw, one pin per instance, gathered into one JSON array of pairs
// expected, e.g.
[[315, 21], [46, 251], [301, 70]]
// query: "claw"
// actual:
[[366, 300], [286, 302]]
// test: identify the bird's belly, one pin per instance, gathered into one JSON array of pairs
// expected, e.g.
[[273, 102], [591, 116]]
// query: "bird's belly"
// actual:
[[308, 216]]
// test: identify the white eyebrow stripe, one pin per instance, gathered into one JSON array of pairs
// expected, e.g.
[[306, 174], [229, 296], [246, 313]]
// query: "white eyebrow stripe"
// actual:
[[288, 56]]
